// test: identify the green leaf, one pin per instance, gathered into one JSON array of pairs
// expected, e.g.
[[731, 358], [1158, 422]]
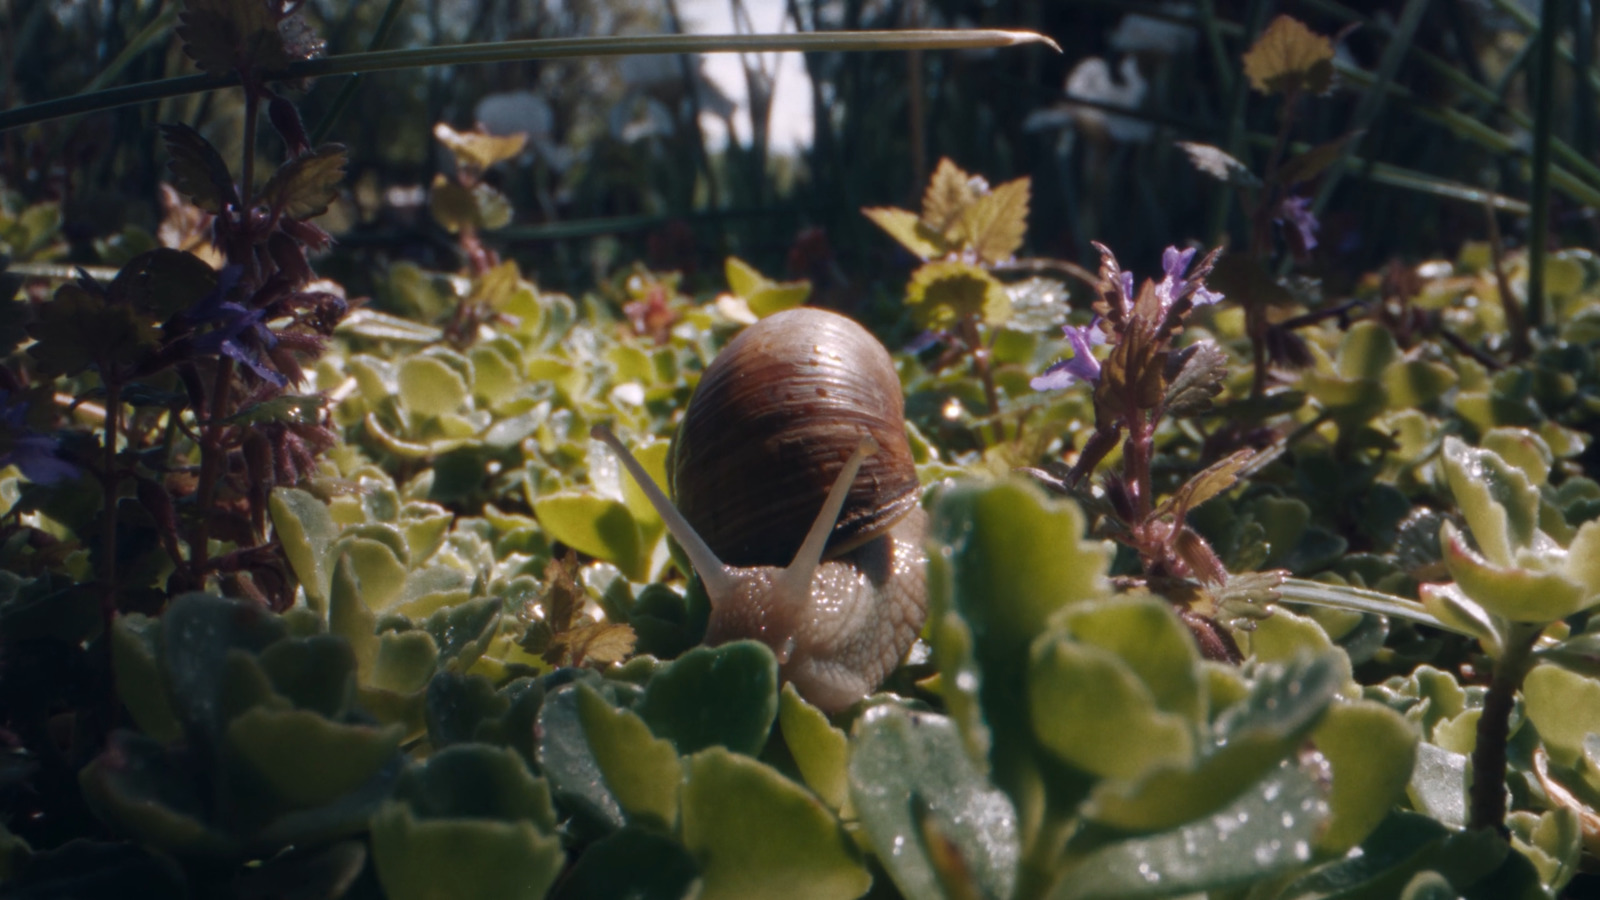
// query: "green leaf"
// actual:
[[1438, 785], [1288, 57], [1203, 368], [935, 822], [438, 859], [1565, 707], [755, 833], [431, 387], [1450, 605], [199, 634], [463, 632], [476, 150], [198, 169], [641, 770], [1500, 504], [1367, 351], [1417, 382], [135, 655], [1513, 593], [949, 194], [1003, 559], [820, 750], [476, 781], [1284, 704], [303, 187], [306, 529], [633, 864], [161, 282], [599, 526], [225, 36], [905, 227], [567, 759], [1093, 711], [714, 696], [316, 673], [944, 292], [453, 205], [378, 570], [307, 759], [1371, 750], [141, 790], [1267, 830], [994, 225], [78, 329]]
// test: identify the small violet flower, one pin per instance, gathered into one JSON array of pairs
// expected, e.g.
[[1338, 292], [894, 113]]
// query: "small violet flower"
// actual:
[[34, 454], [1295, 212], [1175, 263], [233, 322], [1082, 366]]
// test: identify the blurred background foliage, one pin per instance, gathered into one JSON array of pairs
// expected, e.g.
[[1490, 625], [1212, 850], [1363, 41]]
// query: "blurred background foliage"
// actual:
[[618, 165]]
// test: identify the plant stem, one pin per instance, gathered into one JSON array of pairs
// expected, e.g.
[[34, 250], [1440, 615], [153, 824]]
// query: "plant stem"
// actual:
[[980, 366], [211, 454], [109, 483], [1543, 124], [1487, 795], [247, 170]]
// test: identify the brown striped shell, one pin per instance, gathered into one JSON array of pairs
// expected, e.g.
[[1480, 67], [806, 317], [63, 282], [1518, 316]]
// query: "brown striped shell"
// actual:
[[773, 420]]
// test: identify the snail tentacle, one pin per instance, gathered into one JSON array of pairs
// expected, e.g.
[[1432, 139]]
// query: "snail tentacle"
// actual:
[[719, 582], [796, 579]]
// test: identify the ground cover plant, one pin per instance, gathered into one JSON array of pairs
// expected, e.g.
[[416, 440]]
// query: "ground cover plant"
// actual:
[[1238, 584]]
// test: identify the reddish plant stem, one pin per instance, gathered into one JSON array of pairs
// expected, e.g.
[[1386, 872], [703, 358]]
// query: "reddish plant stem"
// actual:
[[212, 456], [1487, 795]]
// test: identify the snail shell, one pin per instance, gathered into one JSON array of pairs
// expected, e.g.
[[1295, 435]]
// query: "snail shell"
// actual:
[[794, 448], [772, 421]]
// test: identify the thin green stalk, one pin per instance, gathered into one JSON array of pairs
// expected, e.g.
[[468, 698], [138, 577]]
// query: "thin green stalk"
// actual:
[[1237, 105], [347, 91], [1211, 28], [1372, 102], [148, 35], [1354, 599], [521, 51], [1543, 124]]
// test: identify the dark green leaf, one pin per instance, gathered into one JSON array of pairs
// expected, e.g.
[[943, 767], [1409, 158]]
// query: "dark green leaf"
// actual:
[[162, 282], [632, 864], [712, 696], [198, 170], [224, 36], [1201, 368]]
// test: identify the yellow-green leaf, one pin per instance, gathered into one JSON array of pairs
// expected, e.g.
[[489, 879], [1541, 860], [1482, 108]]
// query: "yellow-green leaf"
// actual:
[[303, 187], [905, 227], [477, 150], [994, 225], [945, 292], [1287, 57]]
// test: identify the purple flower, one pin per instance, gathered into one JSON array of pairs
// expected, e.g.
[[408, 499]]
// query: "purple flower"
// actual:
[[1295, 212], [1082, 366], [31, 452], [239, 332], [1175, 263]]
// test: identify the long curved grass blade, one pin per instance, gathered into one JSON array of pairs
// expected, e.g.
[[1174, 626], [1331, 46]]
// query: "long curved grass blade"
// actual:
[[1372, 101], [548, 48], [1543, 123], [1336, 596], [380, 35]]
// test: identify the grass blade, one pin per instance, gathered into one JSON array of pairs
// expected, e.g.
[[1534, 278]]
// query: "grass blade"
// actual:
[[518, 51]]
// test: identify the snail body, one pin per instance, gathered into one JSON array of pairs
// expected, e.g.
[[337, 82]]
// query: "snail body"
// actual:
[[797, 502]]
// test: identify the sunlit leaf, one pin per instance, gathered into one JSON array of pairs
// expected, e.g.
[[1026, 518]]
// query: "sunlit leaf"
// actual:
[[943, 293], [477, 150], [1219, 164], [905, 227], [304, 186], [1289, 57], [949, 193], [994, 225]]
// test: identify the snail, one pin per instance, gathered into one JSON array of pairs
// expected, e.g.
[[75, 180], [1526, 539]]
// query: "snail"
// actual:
[[797, 502]]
